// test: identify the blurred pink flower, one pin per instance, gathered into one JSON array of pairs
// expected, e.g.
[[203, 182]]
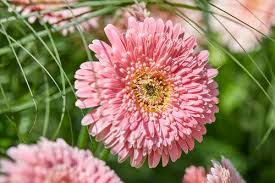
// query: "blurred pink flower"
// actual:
[[57, 18], [258, 14], [155, 93], [194, 175], [54, 162], [224, 172], [137, 10]]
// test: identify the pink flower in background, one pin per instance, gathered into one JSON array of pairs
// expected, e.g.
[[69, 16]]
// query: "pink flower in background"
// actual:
[[154, 92], [259, 14], [194, 175], [224, 172], [56, 18], [137, 10], [54, 162]]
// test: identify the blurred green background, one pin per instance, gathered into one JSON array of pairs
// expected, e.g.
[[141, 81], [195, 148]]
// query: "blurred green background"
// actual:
[[246, 114]]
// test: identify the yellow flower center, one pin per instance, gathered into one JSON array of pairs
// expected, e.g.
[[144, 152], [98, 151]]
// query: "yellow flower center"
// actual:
[[152, 90]]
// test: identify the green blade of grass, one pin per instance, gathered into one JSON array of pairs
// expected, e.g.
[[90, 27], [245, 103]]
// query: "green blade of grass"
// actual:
[[33, 57], [23, 73], [47, 107], [20, 107], [247, 54], [62, 73]]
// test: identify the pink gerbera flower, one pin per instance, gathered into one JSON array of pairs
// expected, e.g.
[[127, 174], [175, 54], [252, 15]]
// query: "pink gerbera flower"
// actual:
[[153, 91], [56, 18], [54, 162], [258, 14], [194, 175], [224, 172]]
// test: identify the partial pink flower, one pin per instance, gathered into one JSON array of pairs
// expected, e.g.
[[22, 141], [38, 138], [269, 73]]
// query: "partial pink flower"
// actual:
[[258, 14], [194, 175], [54, 162], [137, 10], [224, 172], [57, 18], [154, 92]]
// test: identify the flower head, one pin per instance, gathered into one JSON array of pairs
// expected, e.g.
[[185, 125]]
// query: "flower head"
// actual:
[[153, 91], [54, 162], [224, 172], [56, 18], [194, 175], [257, 14]]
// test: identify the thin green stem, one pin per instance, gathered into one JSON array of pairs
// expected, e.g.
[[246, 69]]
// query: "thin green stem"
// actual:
[[47, 106]]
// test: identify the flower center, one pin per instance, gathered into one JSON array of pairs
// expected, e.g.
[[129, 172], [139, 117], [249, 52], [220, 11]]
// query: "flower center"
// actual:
[[152, 90]]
